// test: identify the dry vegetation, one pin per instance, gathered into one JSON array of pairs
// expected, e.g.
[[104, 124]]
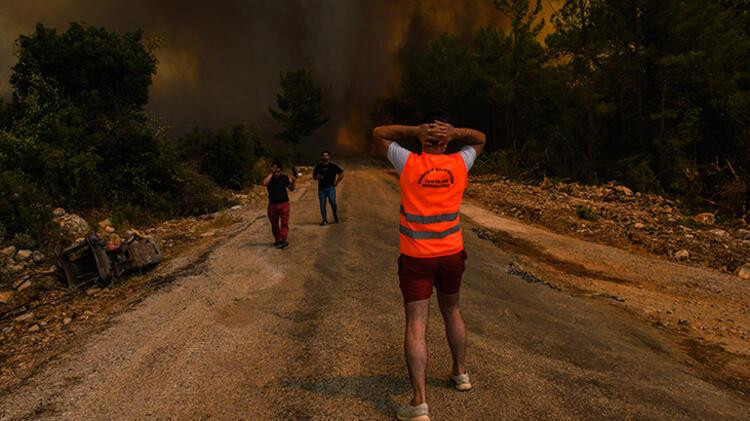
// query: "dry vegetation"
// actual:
[[616, 216]]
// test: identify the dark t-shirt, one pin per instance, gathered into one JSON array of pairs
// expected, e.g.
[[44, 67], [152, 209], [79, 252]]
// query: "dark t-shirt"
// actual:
[[277, 189], [328, 172]]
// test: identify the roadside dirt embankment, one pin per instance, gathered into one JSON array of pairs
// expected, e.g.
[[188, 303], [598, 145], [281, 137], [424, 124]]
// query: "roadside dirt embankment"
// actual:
[[626, 255]]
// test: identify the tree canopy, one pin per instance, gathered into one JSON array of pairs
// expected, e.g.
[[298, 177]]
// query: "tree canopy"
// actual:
[[653, 93], [300, 107], [76, 135], [102, 72]]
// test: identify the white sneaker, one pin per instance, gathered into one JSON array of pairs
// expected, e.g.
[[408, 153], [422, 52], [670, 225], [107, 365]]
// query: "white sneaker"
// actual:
[[413, 413], [461, 382]]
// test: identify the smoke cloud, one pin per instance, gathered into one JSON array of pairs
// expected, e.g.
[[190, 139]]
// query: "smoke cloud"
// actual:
[[219, 63]]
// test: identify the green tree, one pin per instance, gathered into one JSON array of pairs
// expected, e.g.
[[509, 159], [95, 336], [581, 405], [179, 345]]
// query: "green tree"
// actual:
[[75, 134], [441, 79], [6, 116], [491, 61], [77, 101], [653, 93], [525, 26], [300, 107], [102, 72], [575, 45], [473, 82]]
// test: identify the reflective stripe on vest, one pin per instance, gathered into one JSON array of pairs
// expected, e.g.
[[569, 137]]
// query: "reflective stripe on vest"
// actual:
[[433, 219], [428, 235]]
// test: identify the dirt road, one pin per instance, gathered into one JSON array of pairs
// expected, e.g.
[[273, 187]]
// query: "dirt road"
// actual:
[[315, 331]]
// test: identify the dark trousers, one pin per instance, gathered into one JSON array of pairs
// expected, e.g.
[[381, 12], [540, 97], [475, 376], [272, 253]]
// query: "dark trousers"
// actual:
[[278, 214], [330, 194]]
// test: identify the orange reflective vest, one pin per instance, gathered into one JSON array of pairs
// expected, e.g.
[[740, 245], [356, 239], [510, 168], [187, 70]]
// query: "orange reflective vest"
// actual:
[[432, 186]]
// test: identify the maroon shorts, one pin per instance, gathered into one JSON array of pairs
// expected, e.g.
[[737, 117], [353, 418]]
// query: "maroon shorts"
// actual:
[[418, 275]]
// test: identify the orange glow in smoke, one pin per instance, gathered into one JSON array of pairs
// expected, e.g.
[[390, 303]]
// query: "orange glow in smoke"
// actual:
[[348, 139]]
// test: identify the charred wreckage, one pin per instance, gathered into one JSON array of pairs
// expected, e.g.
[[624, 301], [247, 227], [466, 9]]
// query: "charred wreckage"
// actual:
[[93, 260]]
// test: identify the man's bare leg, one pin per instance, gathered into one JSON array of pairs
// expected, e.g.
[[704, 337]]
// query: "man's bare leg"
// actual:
[[415, 347], [455, 330]]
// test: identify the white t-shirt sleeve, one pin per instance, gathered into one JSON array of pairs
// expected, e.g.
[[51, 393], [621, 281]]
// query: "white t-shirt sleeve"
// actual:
[[398, 156], [469, 154]]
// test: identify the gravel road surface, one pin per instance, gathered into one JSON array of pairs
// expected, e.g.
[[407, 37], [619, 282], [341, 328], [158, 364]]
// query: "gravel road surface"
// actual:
[[315, 332]]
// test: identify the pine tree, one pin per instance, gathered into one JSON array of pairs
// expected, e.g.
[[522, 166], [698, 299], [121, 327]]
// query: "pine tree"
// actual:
[[525, 26], [301, 109]]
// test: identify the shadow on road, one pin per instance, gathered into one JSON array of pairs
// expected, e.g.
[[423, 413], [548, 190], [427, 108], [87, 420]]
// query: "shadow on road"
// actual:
[[261, 245], [378, 390]]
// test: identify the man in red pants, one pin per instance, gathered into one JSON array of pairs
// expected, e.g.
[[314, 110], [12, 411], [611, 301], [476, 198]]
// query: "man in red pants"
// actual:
[[278, 203]]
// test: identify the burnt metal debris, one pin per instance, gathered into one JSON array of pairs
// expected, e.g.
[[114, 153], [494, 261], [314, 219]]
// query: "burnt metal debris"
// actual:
[[92, 261]]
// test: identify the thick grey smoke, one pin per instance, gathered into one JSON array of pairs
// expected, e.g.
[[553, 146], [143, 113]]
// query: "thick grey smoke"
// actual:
[[220, 61]]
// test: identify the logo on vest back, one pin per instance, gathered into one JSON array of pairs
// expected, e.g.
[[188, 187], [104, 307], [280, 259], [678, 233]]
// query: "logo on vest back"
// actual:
[[436, 178]]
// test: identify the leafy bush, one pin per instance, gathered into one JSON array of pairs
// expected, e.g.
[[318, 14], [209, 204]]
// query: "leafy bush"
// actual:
[[498, 162], [24, 208], [198, 195], [23, 241], [102, 72], [228, 156], [586, 213], [192, 194]]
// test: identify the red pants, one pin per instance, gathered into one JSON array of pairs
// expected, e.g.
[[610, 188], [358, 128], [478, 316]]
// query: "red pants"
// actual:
[[279, 213], [417, 276]]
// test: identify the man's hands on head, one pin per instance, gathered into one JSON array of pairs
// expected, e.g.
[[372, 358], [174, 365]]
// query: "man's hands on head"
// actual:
[[446, 133], [269, 176], [437, 134]]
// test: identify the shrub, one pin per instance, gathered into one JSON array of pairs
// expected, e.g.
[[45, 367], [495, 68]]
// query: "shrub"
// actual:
[[197, 195], [23, 241], [24, 208], [586, 213], [190, 193], [498, 162], [228, 156]]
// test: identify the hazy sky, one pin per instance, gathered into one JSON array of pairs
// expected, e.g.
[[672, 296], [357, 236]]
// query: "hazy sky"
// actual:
[[219, 61]]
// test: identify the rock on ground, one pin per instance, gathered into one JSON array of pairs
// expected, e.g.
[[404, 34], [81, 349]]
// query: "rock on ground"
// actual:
[[682, 255], [73, 226], [9, 251], [24, 285], [641, 221], [707, 218], [6, 296], [23, 255], [744, 271], [38, 257], [25, 317]]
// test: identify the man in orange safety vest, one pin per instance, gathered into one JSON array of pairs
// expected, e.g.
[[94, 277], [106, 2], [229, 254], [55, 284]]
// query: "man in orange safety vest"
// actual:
[[432, 250]]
